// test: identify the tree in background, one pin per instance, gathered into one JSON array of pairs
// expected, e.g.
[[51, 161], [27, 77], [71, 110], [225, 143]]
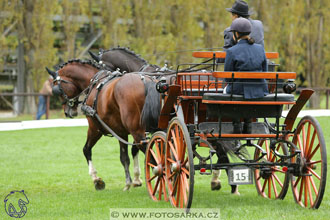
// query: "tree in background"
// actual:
[[163, 31]]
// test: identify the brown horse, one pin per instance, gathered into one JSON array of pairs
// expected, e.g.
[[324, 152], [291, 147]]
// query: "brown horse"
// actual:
[[126, 60], [122, 103]]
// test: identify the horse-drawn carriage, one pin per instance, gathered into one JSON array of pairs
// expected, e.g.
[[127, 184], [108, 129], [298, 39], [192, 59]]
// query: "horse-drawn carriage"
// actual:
[[196, 114]]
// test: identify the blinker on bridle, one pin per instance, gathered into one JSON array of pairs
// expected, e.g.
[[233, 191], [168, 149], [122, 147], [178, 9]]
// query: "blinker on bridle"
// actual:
[[58, 90]]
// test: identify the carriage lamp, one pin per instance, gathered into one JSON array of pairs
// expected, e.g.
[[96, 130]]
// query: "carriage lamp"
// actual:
[[162, 86], [289, 86]]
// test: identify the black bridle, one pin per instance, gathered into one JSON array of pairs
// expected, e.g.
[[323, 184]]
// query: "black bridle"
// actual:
[[58, 90]]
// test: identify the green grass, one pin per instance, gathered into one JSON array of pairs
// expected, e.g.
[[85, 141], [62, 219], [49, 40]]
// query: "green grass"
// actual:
[[49, 165]]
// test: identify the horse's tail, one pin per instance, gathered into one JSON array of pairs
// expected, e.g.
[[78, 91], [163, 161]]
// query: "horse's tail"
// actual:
[[151, 108]]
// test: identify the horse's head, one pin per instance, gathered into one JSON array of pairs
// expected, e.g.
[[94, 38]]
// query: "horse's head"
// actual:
[[68, 92], [124, 59]]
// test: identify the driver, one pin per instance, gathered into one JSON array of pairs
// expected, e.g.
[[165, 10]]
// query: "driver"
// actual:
[[249, 57]]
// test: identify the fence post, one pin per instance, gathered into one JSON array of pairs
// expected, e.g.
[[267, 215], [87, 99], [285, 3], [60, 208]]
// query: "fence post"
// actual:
[[47, 106], [327, 101]]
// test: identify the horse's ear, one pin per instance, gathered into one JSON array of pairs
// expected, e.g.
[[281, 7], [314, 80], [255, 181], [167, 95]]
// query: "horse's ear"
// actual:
[[94, 56], [52, 73]]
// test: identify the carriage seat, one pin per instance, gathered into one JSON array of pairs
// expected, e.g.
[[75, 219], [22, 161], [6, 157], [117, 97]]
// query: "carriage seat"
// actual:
[[235, 106], [281, 97]]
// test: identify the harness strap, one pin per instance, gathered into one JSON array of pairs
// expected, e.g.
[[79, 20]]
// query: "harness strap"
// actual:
[[106, 127]]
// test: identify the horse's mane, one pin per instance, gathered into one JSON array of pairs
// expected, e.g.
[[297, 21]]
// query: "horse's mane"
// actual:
[[89, 62], [127, 50]]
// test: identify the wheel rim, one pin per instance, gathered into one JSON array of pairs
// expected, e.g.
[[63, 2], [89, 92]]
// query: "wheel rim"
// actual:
[[308, 190], [155, 167], [272, 184], [179, 165]]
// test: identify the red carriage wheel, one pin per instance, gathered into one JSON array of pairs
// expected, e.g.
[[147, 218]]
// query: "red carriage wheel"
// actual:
[[155, 167], [179, 166], [271, 181], [308, 189]]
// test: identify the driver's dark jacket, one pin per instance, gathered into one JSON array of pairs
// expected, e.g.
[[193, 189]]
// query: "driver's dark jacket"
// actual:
[[249, 58]]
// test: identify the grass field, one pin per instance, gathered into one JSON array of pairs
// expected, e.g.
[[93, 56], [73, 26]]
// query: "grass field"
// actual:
[[49, 165]]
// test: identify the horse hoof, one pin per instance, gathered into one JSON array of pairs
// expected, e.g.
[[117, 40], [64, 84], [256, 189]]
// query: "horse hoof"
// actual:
[[236, 193], [137, 183], [215, 185], [126, 188], [99, 184]]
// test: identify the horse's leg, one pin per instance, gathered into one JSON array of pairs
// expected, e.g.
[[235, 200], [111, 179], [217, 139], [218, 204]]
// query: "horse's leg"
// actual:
[[124, 159], [137, 171], [215, 182], [92, 138], [222, 158]]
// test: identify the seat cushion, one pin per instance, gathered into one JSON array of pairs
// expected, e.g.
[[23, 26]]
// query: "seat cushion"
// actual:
[[228, 97]]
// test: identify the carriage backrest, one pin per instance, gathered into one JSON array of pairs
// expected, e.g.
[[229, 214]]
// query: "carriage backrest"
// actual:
[[222, 54]]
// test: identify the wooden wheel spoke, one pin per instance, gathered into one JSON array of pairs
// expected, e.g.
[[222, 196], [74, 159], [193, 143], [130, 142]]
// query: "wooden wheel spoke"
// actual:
[[301, 147], [183, 152], [150, 164], [157, 151], [185, 171], [170, 160], [314, 173], [152, 178], [305, 192], [277, 170], [274, 186], [154, 156], [309, 191], [267, 149], [296, 182], [314, 162], [314, 151], [184, 193], [311, 145], [313, 185], [171, 176], [178, 191], [173, 151], [164, 188], [160, 188], [278, 180], [308, 138], [301, 189], [156, 186], [175, 187], [184, 162], [264, 185], [303, 133], [174, 139], [162, 152]]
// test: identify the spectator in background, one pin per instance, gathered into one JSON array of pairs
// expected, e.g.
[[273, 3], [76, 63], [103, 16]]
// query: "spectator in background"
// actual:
[[45, 91]]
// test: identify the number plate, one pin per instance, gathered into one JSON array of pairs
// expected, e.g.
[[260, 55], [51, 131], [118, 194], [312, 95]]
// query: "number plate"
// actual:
[[240, 176]]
